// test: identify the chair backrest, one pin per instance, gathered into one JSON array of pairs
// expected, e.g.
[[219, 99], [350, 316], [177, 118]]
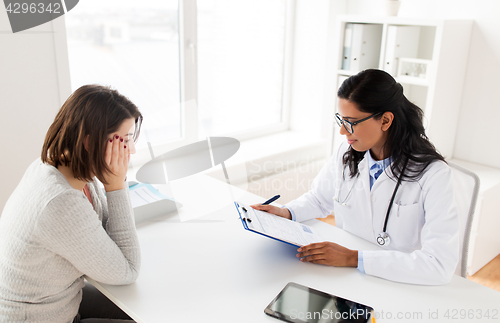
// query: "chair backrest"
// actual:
[[466, 190]]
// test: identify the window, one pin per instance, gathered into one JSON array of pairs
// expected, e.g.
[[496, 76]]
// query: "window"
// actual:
[[134, 47], [235, 60], [241, 47]]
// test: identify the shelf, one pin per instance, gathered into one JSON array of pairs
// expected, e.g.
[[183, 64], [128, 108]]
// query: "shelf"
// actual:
[[402, 79], [412, 80], [440, 44], [347, 73], [397, 21]]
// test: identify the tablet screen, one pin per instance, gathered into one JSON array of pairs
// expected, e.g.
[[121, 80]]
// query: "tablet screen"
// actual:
[[299, 304]]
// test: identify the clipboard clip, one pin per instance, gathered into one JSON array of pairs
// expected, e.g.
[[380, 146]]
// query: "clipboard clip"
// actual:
[[243, 210]]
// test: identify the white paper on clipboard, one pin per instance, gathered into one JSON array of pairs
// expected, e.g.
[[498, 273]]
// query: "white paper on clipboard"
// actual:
[[280, 228]]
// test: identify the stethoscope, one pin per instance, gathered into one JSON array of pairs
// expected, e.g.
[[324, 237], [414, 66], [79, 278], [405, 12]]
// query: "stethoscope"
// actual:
[[383, 238]]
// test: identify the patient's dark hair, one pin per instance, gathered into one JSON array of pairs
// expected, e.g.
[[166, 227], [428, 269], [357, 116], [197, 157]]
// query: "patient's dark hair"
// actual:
[[95, 111], [375, 91]]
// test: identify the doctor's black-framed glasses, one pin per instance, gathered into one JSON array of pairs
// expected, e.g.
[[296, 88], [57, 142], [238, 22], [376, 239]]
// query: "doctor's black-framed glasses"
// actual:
[[348, 125]]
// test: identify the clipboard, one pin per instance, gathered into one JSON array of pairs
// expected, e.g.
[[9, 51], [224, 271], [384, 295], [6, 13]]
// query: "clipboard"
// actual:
[[277, 228]]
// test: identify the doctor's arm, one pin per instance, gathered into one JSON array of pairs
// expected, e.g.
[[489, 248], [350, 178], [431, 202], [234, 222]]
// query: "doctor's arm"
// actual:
[[318, 201]]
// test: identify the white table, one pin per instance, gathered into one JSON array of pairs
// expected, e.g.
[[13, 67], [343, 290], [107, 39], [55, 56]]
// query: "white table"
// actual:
[[211, 270]]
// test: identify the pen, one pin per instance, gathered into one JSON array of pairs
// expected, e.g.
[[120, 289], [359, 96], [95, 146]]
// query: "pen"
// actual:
[[271, 200]]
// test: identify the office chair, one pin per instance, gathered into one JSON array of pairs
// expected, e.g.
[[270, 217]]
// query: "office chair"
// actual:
[[466, 190]]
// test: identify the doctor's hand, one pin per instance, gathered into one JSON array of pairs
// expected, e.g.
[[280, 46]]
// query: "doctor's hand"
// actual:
[[328, 253], [279, 211]]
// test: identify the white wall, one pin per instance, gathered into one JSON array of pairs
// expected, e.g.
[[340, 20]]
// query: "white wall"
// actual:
[[308, 62], [313, 89], [30, 98], [479, 121]]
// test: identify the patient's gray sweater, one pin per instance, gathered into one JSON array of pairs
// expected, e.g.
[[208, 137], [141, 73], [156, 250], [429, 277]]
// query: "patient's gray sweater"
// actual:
[[50, 236]]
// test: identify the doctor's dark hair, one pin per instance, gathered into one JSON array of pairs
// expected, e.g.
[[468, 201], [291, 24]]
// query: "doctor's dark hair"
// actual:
[[94, 112], [375, 91]]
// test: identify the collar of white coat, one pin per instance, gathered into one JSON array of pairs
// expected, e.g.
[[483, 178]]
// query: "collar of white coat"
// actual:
[[383, 163], [365, 165]]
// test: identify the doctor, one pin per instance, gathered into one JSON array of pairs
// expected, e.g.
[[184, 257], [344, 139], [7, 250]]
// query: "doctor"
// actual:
[[387, 184]]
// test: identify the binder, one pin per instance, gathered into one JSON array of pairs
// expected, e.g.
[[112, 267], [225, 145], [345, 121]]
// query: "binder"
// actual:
[[346, 56], [402, 42], [276, 227], [361, 46], [149, 203]]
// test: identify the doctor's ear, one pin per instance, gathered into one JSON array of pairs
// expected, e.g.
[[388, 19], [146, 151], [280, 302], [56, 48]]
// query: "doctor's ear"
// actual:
[[387, 118]]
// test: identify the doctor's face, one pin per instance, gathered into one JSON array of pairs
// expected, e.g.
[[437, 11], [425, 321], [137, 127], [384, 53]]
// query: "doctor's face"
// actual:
[[370, 134]]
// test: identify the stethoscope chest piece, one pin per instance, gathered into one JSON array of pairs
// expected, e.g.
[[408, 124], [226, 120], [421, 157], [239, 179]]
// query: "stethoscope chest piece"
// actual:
[[383, 239]]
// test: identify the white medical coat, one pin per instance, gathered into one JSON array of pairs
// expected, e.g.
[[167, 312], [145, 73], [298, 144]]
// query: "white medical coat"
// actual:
[[423, 223]]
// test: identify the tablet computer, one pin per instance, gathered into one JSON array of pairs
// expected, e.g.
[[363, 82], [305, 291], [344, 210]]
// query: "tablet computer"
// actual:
[[300, 304]]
